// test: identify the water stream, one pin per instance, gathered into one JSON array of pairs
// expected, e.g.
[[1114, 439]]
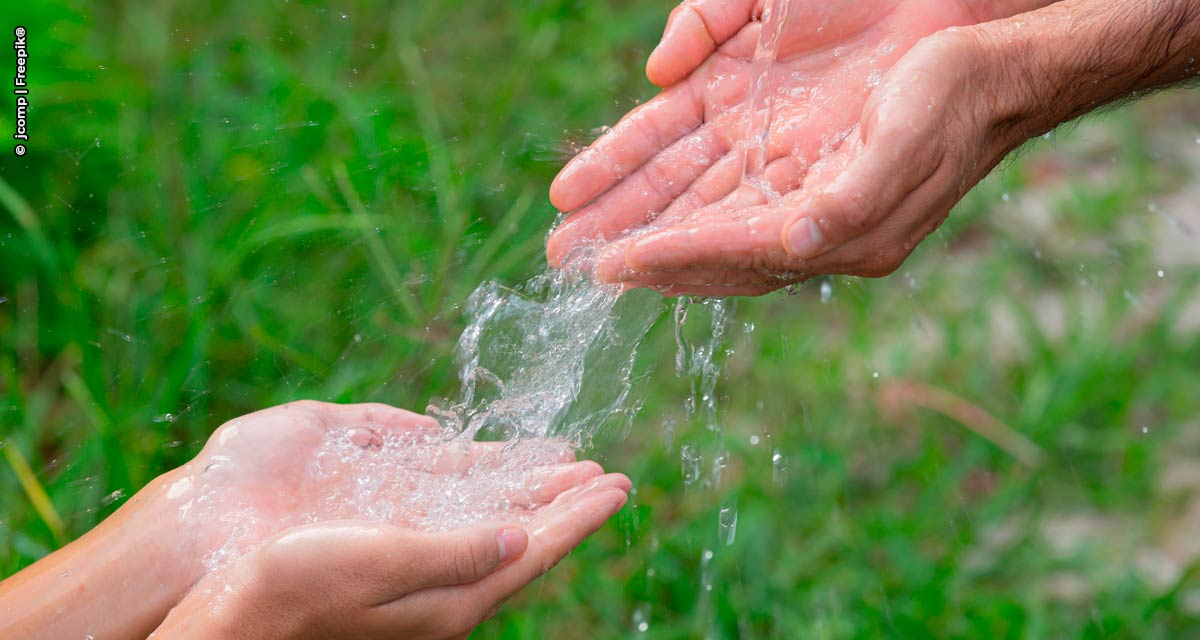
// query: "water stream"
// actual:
[[761, 101]]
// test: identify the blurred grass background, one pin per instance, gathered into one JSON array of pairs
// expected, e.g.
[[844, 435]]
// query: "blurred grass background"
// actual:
[[234, 205]]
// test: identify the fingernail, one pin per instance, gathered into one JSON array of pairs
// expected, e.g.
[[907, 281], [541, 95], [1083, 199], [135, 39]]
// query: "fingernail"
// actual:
[[804, 239], [512, 542]]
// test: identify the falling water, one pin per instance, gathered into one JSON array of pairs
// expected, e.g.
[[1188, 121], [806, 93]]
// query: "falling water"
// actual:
[[758, 128], [525, 354], [543, 368]]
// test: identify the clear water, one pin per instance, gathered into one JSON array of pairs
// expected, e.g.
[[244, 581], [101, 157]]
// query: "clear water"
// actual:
[[758, 128], [543, 367]]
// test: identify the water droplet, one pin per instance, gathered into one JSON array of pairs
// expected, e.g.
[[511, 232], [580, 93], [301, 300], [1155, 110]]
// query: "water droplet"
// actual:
[[689, 459], [826, 291], [706, 577], [165, 417], [1005, 197], [754, 440], [718, 468], [641, 617], [1161, 273], [727, 525], [778, 468], [112, 497]]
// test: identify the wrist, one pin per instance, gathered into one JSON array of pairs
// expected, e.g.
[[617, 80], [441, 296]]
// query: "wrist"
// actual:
[[1055, 64], [131, 563]]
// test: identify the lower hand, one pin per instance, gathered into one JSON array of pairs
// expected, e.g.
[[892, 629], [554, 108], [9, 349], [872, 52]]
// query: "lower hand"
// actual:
[[360, 580], [259, 476]]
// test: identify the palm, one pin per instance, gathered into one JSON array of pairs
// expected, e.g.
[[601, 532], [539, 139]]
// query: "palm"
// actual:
[[307, 462], [684, 150]]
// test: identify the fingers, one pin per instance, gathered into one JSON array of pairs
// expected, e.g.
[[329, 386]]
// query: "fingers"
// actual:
[[556, 530], [872, 188], [543, 484], [385, 417], [461, 557], [387, 561], [748, 242], [640, 135], [694, 30], [637, 199], [884, 249]]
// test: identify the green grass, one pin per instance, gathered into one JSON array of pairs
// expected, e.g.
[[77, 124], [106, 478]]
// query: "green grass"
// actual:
[[233, 206]]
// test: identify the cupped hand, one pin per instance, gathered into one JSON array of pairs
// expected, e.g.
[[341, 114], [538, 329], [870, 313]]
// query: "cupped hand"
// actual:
[[306, 462], [683, 152], [928, 134], [360, 580]]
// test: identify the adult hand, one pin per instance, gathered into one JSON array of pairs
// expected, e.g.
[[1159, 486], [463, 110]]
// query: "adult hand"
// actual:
[[685, 149], [355, 580], [856, 107], [926, 136]]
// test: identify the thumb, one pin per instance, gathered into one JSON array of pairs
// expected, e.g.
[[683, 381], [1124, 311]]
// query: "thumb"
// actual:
[[870, 189], [694, 30], [463, 556]]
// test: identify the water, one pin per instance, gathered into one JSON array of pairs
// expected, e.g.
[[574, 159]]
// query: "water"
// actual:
[[761, 98], [543, 369], [727, 520], [525, 354]]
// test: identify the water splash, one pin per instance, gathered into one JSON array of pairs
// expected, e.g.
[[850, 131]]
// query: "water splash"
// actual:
[[544, 368], [526, 352]]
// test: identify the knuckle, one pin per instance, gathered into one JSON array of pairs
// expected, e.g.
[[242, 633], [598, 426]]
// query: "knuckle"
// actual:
[[469, 561], [658, 181], [855, 211], [640, 122]]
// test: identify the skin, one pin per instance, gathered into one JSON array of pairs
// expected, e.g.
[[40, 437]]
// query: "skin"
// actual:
[[353, 580], [949, 105], [144, 559]]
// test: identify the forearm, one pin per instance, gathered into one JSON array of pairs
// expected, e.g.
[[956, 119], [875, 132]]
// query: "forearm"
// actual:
[[117, 581], [1075, 56]]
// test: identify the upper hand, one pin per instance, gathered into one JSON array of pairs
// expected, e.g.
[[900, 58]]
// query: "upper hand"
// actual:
[[852, 107]]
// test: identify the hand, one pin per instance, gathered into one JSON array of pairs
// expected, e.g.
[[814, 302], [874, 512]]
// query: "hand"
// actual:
[[258, 476], [308, 461], [928, 134], [684, 150], [358, 580]]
